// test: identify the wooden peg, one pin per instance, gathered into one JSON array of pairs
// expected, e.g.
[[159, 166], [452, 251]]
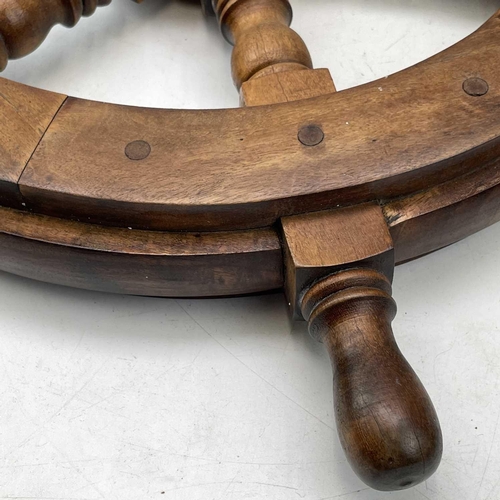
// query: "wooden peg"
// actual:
[[270, 61], [339, 269], [24, 24]]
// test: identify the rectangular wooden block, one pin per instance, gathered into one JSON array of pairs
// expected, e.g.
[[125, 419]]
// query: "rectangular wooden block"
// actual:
[[287, 86], [322, 243]]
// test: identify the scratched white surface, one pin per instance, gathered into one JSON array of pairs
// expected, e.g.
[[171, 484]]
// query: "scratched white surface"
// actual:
[[124, 398]]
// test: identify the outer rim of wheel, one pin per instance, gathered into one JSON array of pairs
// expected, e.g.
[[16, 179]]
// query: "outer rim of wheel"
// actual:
[[469, 178]]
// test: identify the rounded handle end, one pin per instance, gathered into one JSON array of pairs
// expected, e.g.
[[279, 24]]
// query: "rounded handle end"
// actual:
[[386, 421]]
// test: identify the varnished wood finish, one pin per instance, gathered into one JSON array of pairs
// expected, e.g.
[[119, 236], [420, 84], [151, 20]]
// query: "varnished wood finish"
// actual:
[[446, 213], [81, 186], [321, 243], [246, 168], [387, 424], [418, 225], [66, 172], [111, 198], [24, 24], [339, 266], [286, 86], [263, 42], [138, 262], [25, 114], [270, 63]]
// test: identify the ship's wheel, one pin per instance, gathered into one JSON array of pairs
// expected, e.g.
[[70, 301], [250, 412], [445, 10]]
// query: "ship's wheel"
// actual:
[[303, 188]]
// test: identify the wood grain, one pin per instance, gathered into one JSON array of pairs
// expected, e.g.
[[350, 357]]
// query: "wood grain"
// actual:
[[138, 262], [321, 243], [24, 24], [245, 168], [270, 62], [286, 86], [199, 179], [339, 266], [263, 41], [387, 171], [446, 213], [386, 421], [25, 114], [419, 224]]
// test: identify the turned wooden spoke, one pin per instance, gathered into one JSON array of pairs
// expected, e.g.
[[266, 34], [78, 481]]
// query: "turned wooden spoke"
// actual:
[[321, 195], [24, 24], [270, 61], [263, 41]]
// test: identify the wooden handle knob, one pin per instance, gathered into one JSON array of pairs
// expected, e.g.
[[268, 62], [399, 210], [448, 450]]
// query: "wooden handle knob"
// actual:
[[386, 422], [24, 24]]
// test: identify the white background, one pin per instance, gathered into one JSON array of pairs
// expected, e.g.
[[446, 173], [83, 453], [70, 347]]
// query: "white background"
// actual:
[[120, 397]]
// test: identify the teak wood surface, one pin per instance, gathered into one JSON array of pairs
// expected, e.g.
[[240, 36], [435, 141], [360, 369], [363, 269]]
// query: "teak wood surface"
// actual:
[[317, 191], [415, 141]]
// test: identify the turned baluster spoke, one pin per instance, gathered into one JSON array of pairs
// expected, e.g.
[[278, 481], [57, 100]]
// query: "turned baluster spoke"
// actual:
[[270, 61], [24, 24]]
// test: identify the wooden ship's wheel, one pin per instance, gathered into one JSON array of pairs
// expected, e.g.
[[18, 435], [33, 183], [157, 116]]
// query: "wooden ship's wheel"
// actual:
[[303, 188]]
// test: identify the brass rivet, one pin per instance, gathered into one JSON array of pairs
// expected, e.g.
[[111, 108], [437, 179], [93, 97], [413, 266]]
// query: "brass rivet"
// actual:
[[311, 135], [476, 87], [138, 150]]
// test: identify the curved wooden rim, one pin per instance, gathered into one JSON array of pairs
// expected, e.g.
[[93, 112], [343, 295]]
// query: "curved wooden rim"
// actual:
[[218, 264], [433, 166], [244, 168]]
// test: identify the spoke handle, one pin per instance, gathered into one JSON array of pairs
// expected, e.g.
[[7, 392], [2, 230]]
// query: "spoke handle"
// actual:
[[386, 422], [24, 24]]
